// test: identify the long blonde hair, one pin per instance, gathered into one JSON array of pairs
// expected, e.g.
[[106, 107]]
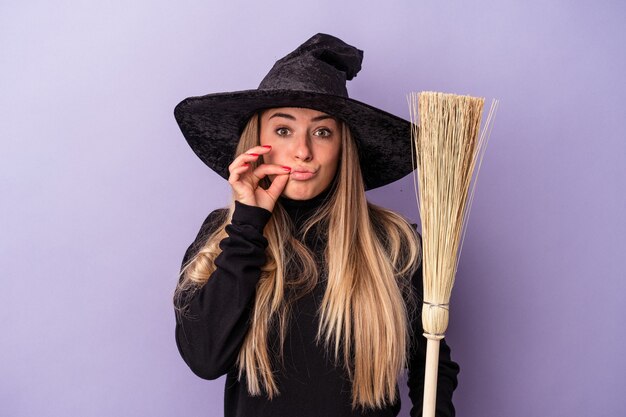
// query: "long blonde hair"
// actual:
[[365, 314]]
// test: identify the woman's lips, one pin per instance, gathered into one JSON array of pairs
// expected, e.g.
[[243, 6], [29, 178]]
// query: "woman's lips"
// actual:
[[302, 175]]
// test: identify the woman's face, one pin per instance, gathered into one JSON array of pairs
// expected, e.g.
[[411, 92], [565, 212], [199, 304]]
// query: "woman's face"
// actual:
[[308, 141]]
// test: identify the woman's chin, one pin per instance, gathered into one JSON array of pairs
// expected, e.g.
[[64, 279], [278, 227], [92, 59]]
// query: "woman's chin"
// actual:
[[298, 190]]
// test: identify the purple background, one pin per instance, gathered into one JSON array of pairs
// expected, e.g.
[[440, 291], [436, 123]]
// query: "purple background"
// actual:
[[100, 194]]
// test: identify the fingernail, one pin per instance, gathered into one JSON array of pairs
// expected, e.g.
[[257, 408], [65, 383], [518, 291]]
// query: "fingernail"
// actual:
[[245, 164], [287, 168], [253, 154], [267, 146]]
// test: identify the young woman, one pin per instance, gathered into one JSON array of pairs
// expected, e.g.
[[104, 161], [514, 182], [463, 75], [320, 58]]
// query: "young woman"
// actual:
[[304, 294]]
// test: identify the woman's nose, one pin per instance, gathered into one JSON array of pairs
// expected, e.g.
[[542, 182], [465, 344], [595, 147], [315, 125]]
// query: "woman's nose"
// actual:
[[302, 149]]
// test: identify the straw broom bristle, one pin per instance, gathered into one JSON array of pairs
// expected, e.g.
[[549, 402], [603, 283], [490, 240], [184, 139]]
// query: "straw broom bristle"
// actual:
[[445, 148]]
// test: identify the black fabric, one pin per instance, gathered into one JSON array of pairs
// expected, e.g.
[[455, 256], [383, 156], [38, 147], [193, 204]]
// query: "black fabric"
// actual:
[[310, 384], [321, 65], [312, 76]]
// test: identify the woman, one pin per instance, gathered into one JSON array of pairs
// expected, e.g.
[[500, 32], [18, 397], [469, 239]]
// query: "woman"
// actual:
[[304, 294]]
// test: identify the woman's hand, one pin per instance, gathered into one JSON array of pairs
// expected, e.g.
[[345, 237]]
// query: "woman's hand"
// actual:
[[245, 182]]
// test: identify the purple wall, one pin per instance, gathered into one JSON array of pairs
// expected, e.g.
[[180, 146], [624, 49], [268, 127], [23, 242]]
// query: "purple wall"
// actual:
[[100, 194]]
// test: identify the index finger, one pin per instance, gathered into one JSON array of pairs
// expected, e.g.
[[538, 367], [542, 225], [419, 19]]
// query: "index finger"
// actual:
[[260, 149], [249, 156]]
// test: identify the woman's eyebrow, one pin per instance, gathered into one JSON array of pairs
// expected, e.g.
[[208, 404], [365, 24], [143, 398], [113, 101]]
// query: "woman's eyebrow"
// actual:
[[322, 117], [290, 117], [285, 115]]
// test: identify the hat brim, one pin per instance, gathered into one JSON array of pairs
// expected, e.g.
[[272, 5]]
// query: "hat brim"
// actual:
[[212, 125]]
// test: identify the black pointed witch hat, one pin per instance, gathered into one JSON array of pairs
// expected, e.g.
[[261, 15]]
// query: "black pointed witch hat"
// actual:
[[312, 76]]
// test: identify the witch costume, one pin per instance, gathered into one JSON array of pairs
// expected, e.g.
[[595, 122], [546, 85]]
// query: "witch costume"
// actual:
[[211, 333]]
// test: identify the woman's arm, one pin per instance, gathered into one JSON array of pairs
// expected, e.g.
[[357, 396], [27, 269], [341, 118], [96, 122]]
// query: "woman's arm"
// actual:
[[210, 333], [448, 369]]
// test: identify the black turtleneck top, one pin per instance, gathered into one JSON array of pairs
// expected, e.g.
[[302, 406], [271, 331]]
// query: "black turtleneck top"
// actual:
[[212, 331]]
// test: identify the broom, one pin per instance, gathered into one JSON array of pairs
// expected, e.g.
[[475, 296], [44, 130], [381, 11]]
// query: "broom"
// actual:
[[446, 147]]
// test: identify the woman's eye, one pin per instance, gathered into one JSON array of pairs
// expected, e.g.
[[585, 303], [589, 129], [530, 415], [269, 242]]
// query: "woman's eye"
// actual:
[[323, 133], [282, 131]]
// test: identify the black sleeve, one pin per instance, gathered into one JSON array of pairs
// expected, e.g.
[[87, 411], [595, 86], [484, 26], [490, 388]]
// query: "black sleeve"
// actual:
[[210, 333], [448, 369]]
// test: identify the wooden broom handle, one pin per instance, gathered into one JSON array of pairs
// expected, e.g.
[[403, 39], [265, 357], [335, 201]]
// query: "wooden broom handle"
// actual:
[[430, 378]]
